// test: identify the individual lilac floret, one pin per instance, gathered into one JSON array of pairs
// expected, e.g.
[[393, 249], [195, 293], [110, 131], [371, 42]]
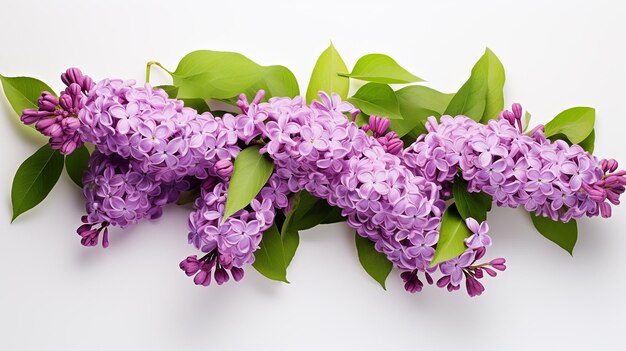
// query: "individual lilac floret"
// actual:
[[202, 268], [56, 118], [119, 194], [552, 179]]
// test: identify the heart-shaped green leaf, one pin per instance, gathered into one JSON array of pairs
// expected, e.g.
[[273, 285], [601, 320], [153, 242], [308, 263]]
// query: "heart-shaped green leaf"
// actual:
[[375, 263], [275, 81], [34, 179], [452, 236], [325, 76], [76, 164], [589, 142], [250, 173], [377, 99], [575, 123], [381, 68], [562, 234]]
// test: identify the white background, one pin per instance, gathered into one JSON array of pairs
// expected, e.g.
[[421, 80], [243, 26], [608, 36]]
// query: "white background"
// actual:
[[57, 295]]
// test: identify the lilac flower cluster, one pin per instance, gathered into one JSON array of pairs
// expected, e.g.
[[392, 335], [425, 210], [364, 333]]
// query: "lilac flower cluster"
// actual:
[[552, 179], [317, 148], [168, 140], [56, 118], [118, 193]]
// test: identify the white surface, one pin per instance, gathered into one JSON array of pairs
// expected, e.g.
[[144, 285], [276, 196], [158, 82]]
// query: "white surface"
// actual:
[[58, 295]]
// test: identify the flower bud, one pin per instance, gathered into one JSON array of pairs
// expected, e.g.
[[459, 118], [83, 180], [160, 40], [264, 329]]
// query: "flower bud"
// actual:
[[224, 168]]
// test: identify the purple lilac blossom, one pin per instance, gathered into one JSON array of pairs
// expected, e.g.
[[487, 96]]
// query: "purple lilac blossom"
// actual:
[[552, 179]]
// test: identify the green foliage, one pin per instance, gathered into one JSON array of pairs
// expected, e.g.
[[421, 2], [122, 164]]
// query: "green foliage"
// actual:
[[417, 103], [377, 99], [375, 263], [269, 259], [562, 234], [76, 164], [575, 124], [326, 75], [475, 205], [381, 68], [452, 234], [34, 179], [250, 173], [481, 98]]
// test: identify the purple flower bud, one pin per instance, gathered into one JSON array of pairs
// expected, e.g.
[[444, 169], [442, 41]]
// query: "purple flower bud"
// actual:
[[237, 273], [47, 102], [72, 75], [498, 263], [517, 111], [490, 271], [221, 276], [473, 286], [443, 281], [202, 278], [49, 127], [413, 285], [224, 168], [68, 147], [70, 125], [66, 101], [190, 265], [30, 115]]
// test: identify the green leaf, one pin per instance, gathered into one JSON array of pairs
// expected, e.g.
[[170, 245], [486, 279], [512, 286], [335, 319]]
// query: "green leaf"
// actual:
[[495, 86], [214, 74], [589, 142], [312, 211], [575, 123], [375, 263], [189, 196], [34, 179], [481, 98], [23, 92], [269, 259], [170, 90], [200, 105], [562, 234], [452, 234], [276, 81], [289, 233], [76, 164], [377, 99], [417, 103], [250, 173], [325, 76], [381, 68], [475, 205]]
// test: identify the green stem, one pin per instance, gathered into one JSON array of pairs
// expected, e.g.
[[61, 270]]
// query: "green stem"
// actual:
[[149, 65]]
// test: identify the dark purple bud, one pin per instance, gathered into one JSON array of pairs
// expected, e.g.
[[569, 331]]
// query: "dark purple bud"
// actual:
[[452, 288], [224, 168], [394, 146], [68, 147], [474, 287], [72, 75], [105, 237], [226, 260], [209, 183], [49, 129], [66, 101], [498, 263], [89, 237], [480, 253], [70, 125], [517, 110], [30, 115], [237, 273], [83, 228], [490, 271], [56, 143], [87, 83], [429, 278], [478, 273], [413, 286], [443, 281], [221, 276], [406, 276], [190, 265], [605, 210], [202, 278], [47, 102]]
